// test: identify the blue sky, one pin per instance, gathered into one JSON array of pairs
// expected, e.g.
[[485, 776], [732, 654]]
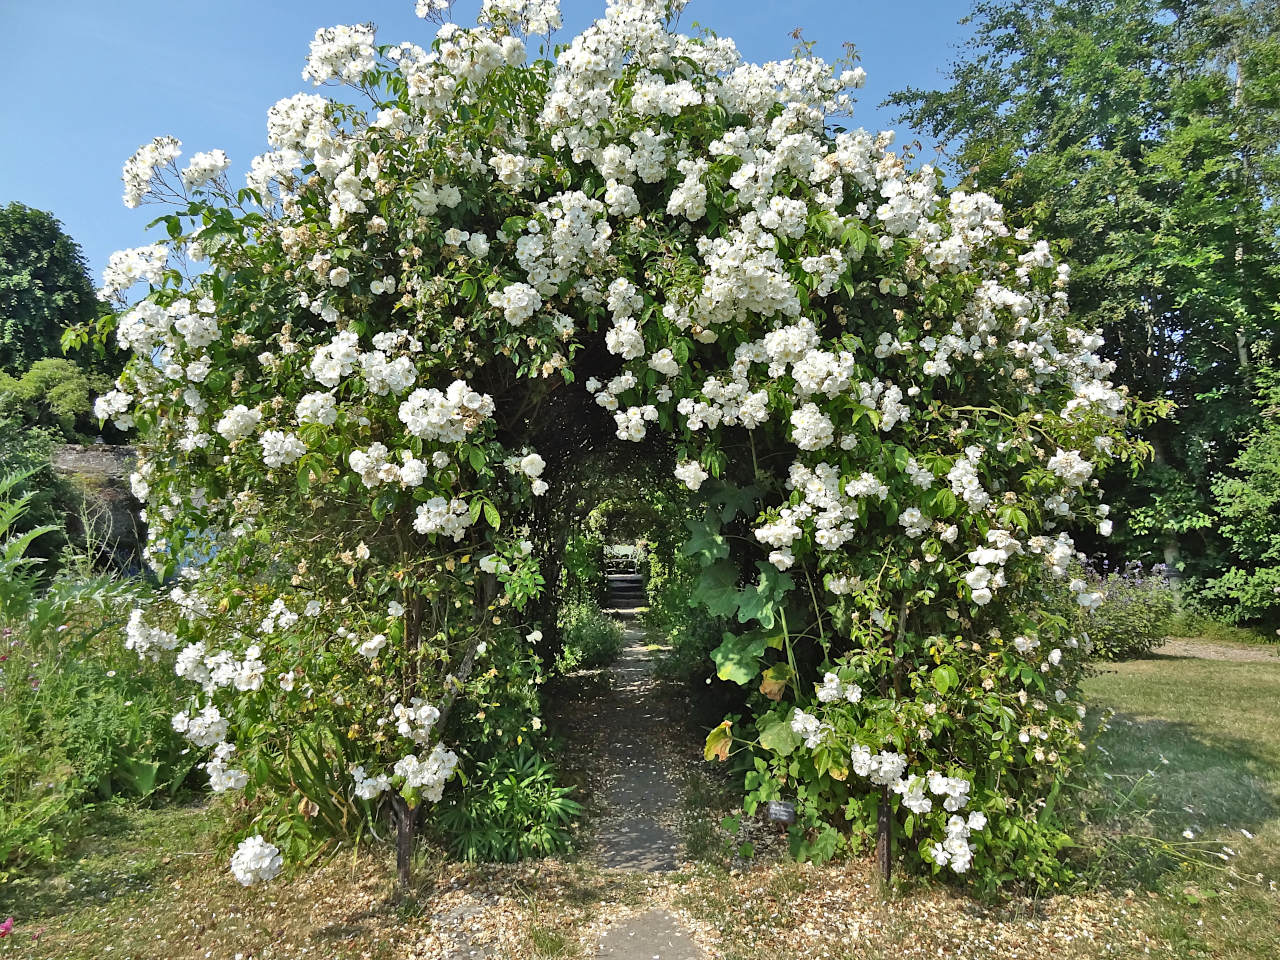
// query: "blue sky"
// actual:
[[89, 81]]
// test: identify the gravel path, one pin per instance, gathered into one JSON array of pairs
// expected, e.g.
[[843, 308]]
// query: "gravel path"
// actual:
[[641, 798], [654, 935], [1183, 647], [641, 802]]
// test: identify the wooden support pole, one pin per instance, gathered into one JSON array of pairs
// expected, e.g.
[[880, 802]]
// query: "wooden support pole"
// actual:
[[884, 837], [406, 834]]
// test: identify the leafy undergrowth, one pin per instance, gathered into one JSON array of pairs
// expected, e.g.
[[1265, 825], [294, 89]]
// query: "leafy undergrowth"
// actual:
[[1193, 747], [1215, 631]]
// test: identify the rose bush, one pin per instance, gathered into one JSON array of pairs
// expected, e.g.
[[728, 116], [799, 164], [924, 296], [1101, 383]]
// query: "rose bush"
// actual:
[[352, 375]]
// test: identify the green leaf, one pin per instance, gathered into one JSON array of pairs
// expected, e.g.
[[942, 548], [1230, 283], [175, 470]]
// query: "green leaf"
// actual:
[[944, 502], [738, 656], [855, 238], [717, 589], [706, 543], [763, 601], [138, 776], [383, 504], [491, 515], [1014, 517], [777, 736], [732, 500], [945, 678]]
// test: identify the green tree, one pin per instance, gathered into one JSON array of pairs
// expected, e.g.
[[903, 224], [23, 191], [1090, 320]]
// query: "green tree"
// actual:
[[1248, 506], [1141, 135], [55, 394], [44, 287]]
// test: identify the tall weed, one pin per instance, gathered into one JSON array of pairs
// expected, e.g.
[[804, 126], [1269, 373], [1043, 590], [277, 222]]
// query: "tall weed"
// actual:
[[81, 719]]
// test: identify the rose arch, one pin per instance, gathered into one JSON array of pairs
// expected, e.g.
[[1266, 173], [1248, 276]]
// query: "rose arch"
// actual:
[[362, 378]]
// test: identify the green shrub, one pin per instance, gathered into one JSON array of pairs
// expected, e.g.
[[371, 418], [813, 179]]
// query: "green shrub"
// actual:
[[24, 452], [1191, 622], [1247, 502], [687, 630], [1137, 607], [56, 395], [590, 637], [583, 575], [509, 809], [81, 719]]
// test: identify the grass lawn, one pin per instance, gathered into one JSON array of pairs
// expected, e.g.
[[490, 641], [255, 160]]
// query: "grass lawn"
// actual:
[[1191, 814], [1194, 746]]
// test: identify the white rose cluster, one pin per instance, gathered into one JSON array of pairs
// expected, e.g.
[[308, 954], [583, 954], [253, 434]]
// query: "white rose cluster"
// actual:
[[145, 640], [429, 774], [691, 474], [886, 768], [833, 689], [203, 167], [222, 776], [449, 518], [256, 861], [446, 416], [140, 169]]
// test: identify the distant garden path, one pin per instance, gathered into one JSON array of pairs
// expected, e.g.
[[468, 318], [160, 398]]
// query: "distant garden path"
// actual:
[[1198, 649], [629, 737]]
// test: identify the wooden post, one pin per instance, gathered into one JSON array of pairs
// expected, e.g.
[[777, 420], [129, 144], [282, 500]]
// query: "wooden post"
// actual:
[[884, 837], [406, 819], [884, 817], [406, 833]]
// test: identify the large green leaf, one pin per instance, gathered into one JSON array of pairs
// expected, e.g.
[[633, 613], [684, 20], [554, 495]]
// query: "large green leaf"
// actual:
[[763, 602], [738, 656], [139, 777], [733, 500], [705, 542], [776, 735], [717, 589], [945, 678]]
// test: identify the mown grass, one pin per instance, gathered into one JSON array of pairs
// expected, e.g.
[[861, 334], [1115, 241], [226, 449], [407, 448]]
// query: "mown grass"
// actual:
[[1189, 812]]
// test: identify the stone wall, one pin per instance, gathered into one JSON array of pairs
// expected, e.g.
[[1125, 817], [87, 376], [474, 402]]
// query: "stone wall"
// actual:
[[104, 515]]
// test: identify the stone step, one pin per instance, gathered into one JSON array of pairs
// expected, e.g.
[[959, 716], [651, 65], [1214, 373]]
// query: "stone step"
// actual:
[[654, 935]]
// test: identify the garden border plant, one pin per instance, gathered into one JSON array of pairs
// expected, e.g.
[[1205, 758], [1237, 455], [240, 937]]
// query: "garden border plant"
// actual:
[[356, 376]]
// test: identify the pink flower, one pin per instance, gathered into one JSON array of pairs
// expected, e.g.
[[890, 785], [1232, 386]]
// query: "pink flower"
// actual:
[[6, 927]]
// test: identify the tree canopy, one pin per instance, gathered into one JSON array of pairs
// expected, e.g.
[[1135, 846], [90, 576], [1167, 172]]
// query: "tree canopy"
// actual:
[[44, 287], [1142, 137]]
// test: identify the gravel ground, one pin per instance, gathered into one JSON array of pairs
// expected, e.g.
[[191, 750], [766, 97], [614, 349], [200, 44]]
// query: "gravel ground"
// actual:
[[1183, 647], [632, 747]]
